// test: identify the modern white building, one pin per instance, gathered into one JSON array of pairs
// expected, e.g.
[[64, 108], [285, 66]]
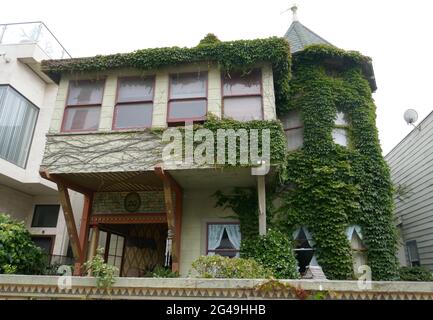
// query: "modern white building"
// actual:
[[27, 99]]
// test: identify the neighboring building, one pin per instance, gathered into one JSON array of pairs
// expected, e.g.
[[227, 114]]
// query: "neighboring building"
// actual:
[[27, 99], [411, 172], [105, 142]]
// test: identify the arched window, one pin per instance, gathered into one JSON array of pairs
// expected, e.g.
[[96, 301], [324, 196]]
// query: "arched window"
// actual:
[[359, 251], [304, 249], [294, 129], [340, 132]]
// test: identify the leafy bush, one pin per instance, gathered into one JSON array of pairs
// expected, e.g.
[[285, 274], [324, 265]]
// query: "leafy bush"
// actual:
[[162, 272], [103, 272], [234, 268], [415, 274], [274, 251], [18, 253]]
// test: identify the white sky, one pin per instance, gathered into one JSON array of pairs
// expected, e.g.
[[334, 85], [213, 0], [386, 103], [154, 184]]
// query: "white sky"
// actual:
[[396, 34]]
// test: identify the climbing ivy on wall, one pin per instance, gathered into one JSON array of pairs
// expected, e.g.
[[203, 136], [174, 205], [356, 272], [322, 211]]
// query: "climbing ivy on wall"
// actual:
[[328, 187], [229, 55]]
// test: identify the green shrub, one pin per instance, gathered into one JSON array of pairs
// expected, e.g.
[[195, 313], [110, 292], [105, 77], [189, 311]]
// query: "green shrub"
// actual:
[[273, 251], [18, 253], [415, 274], [104, 273], [162, 272], [234, 268]]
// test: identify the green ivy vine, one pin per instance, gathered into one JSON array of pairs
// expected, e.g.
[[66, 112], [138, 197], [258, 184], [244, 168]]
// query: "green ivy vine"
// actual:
[[229, 55], [324, 186]]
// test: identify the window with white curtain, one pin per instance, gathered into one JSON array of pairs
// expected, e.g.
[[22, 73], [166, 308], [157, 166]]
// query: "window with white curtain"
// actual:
[[304, 249], [359, 251], [340, 133], [223, 239], [294, 129], [17, 123]]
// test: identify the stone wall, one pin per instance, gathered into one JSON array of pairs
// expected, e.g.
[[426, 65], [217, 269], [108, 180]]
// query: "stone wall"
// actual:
[[46, 287]]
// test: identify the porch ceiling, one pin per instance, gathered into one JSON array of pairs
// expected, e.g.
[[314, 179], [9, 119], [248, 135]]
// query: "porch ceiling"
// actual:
[[209, 178], [115, 181], [216, 178]]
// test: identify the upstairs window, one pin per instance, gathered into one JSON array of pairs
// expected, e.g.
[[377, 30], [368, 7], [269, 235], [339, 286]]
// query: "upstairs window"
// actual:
[[134, 106], [412, 253], [83, 106], [340, 132], [187, 98], [294, 129], [17, 123], [242, 96], [223, 239]]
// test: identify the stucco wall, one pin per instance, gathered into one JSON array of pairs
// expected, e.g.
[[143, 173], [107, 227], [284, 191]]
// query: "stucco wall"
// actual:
[[198, 209], [42, 95], [161, 93], [21, 206]]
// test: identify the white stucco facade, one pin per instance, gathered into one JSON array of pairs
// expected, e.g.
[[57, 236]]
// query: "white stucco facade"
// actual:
[[22, 188]]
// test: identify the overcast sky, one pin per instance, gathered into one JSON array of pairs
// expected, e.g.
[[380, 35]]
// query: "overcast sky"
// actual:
[[396, 34]]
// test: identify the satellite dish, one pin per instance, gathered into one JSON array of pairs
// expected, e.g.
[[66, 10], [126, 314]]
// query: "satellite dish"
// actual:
[[410, 116]]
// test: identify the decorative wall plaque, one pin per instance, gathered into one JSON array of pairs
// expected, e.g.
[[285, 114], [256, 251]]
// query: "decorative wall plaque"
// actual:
[[132, 202]]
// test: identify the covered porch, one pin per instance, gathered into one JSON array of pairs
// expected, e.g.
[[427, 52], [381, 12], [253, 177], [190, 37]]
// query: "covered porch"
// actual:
[[140, 218]]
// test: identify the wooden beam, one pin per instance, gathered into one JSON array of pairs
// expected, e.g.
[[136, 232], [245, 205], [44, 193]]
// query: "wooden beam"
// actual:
[[84, 226], [94, 240], [56, 178], [174, 231], [65, 202], [261, 192]]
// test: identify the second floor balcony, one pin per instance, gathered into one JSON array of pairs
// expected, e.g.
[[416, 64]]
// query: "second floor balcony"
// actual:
[[33, 33]]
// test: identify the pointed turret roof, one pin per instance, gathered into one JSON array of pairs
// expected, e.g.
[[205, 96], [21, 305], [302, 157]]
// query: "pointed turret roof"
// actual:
[[299, 36]]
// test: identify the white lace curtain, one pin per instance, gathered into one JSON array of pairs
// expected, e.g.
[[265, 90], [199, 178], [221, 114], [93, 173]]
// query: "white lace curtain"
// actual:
[[351, 229], [216, 232], [311, 242], [307, 234]]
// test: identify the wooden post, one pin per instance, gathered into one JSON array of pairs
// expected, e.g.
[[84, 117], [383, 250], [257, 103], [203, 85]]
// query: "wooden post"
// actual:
[[261, 192], [65, 202], [173, 226], [93, 244], [84, 226]]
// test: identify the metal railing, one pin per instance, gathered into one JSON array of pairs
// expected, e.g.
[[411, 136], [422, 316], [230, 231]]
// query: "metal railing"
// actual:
[[34, 33]]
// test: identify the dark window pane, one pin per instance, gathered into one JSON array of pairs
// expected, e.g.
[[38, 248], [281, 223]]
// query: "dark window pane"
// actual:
[[225, 242], [187, 109], [243, 108], [184, 86], [45, 216], [133, 115], [85, 92], [45, 243], [238, 84], [304, 257], [81, 118], [135, 89]]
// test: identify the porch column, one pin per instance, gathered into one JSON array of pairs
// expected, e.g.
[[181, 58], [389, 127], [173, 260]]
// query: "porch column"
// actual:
[[261, 192], [174, 213], [65, 202], [84, 226], [93, 244]]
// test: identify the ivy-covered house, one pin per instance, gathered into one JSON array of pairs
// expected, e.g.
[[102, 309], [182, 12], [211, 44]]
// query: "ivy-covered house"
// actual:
[[324, 185]]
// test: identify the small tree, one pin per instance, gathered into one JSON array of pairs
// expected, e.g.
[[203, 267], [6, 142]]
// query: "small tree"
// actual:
[[18, 253]]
